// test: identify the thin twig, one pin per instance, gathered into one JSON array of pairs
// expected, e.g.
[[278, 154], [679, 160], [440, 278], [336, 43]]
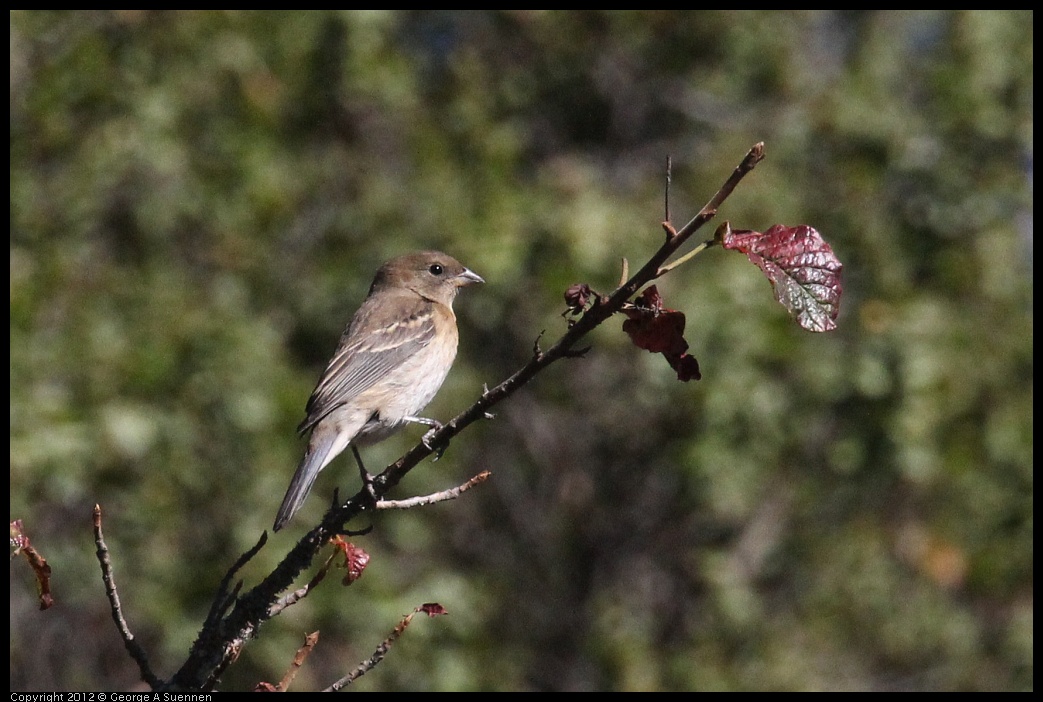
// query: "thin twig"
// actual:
[[38, 564], [666, 194], [753, 157], [302, 592], [666, 268], [224, 598], [625, 272], [132, 646], [367, 665], [298, 660], [371, 662], [421, 500]]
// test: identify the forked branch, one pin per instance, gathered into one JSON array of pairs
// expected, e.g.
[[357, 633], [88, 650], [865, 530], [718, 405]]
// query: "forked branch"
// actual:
[[224, 636]]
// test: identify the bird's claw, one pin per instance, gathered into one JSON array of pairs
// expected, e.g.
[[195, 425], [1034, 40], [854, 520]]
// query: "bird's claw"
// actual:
[[426, 441], [367, 485], [430, 434]]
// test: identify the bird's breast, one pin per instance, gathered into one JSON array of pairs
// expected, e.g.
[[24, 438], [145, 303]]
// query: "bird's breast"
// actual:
[[406, 390]]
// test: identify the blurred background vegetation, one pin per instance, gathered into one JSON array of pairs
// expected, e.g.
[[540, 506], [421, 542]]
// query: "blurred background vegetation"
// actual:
[[198, 203]]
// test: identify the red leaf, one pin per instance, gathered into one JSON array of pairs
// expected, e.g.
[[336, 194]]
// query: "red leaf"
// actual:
[[686, 366], [662, 333], [654, 328], [355, 559], [802, 268]]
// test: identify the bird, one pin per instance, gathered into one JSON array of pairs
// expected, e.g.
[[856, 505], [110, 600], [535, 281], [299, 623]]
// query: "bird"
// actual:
[[390, 362]]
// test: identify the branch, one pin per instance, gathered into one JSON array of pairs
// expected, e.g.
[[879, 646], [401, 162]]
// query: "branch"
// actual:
[[431, 609], [220, 643], [38, 564], [450, 494], [594, 316], [132, 646], [302, 592], [298, 660], [223, 600]]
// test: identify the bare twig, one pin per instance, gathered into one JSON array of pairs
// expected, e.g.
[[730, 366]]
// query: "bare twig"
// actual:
[[302, 592], [37, 563], [299, 594], [450, 494], [709, 211], [385, 645], [298, 660], [368, 664], [223, 599], [132, 646], [666, 268], [666, 193]]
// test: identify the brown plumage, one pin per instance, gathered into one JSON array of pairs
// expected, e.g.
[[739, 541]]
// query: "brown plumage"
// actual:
[[390, 362]]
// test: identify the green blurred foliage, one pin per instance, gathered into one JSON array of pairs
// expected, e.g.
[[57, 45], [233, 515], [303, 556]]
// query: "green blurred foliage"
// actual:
[[198, 201]]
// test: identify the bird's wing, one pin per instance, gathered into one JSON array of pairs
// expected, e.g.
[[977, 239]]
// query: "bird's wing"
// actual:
[[380, 338]]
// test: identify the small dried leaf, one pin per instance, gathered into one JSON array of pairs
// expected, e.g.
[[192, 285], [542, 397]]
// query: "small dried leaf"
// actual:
[[686, 366], [654, 328], [577, 296], [355, 559], [802, 268], [432, 609]]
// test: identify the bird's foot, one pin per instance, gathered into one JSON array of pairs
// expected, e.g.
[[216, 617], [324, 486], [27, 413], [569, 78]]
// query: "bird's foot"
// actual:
[[429, 435]]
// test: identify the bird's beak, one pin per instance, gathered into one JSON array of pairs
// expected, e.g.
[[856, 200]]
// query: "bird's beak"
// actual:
[[468, 277]]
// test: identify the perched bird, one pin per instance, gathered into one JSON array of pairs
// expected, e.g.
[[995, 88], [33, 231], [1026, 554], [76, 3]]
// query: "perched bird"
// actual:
[[390, 362]]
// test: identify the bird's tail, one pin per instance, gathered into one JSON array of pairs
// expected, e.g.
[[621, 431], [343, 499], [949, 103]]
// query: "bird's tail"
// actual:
[[315, 459]]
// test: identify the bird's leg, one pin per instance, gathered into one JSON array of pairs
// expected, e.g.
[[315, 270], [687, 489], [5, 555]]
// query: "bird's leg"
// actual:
[[367, 479], [426, 438]]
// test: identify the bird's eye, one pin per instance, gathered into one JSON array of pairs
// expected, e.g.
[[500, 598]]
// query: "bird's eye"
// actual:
[[435, 269]]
